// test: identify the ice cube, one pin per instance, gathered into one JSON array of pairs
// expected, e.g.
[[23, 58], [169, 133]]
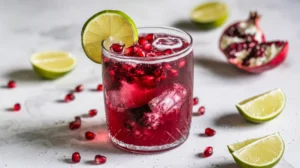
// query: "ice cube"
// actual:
[[151, 120], [169, 101], [163, 43], [130, 96]]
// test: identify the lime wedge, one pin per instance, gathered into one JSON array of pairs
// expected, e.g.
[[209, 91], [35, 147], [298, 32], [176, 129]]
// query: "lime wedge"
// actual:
[[263, 107], [210, 15], [111, 25], [52, 64], [262, 153]]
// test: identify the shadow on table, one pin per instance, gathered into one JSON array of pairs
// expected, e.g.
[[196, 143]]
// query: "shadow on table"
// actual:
[[233, 120], [62, 137], [220, 68], [23, 75], [188, 25], [226, 165]]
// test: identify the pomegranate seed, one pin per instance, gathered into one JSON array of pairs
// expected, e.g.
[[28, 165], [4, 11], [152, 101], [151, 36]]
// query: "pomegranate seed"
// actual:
[[181, 63], [208, 151], [137, 133], [11, 84], [163, 76], [90, 135], [129, 51], [69, 97], [76, 157], [17, 107], [158, 53], [93, 112], [143, 41], [147, 47], [201, 110], [195, 100], [150, 37], [117, 47], [148, 80], [112, 73], [141, 54], [99, 159], [174, 72], [150, 54], [79, 88], [139, 72], [210, 132], [168, 51], [136, 49], [167, 66], [100, 87], [75, 124]]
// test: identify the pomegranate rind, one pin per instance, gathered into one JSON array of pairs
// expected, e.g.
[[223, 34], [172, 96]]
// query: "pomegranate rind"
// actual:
[[215, 19], [91, 40], [263, 153], [263, 107]]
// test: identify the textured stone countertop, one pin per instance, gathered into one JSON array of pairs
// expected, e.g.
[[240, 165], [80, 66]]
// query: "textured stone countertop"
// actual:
[[38, 135]]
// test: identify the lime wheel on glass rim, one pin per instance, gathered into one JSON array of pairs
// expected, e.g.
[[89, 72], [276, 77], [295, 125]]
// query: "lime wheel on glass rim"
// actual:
[[111, 26]]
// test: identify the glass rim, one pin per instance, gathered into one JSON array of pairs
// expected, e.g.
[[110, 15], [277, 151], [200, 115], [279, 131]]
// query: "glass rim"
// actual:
[[115, 55]]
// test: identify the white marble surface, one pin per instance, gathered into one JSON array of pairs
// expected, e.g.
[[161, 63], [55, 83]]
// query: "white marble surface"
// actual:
[[38, 135]]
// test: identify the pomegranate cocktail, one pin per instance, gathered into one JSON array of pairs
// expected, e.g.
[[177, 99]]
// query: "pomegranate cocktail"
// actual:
[[148, 90]]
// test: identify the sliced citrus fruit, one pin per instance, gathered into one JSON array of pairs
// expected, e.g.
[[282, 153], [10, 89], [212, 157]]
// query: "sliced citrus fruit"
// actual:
[[53, 64], [210, 15], [263, 107], [265, 152], [110, 25]]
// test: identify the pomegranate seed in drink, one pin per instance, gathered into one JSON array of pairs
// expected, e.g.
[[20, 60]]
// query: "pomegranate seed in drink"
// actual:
[[100, 87], [147, 47], [208, 151], [99, 159], [76, 157], [173, 72], [201, 110], [17, 107], [79, 88], [181, 63], [150, 37], [210, 132], [168, 51], [11, 84], [90, 135], [93, 112], [143, 41], [195, 100], [167, 66], [141, 54], [117, 47], [129, 51]]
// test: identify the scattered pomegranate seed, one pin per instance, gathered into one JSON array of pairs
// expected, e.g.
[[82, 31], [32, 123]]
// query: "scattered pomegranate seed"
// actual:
[[117, 47], [143, 41], [99, 159], [100, 87], [201, 110], [129, 51], [208, 151], [90, 135], [79, 88], [17, 107], [75, 124], [150, 37], [76, 157], [195, 100], [11, 84], [147, 47], [69, 97], [210, 132], [168, 51], [93, 112]]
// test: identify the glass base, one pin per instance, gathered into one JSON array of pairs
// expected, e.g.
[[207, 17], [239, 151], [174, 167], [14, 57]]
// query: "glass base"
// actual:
[[146, 149]]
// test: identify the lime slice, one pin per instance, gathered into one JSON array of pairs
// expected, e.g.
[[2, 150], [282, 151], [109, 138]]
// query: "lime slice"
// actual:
[[210, 15], [239, 145], [52, 64], [263, 107], [110, 25], [263, 153]]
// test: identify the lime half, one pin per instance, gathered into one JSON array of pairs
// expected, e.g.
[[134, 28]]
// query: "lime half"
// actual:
[[265, 152], [109, 25], [263, 107], [210, 15], [53, 64]]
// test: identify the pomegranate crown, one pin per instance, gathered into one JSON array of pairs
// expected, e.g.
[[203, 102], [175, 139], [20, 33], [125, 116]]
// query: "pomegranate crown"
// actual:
[[254, 16]]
